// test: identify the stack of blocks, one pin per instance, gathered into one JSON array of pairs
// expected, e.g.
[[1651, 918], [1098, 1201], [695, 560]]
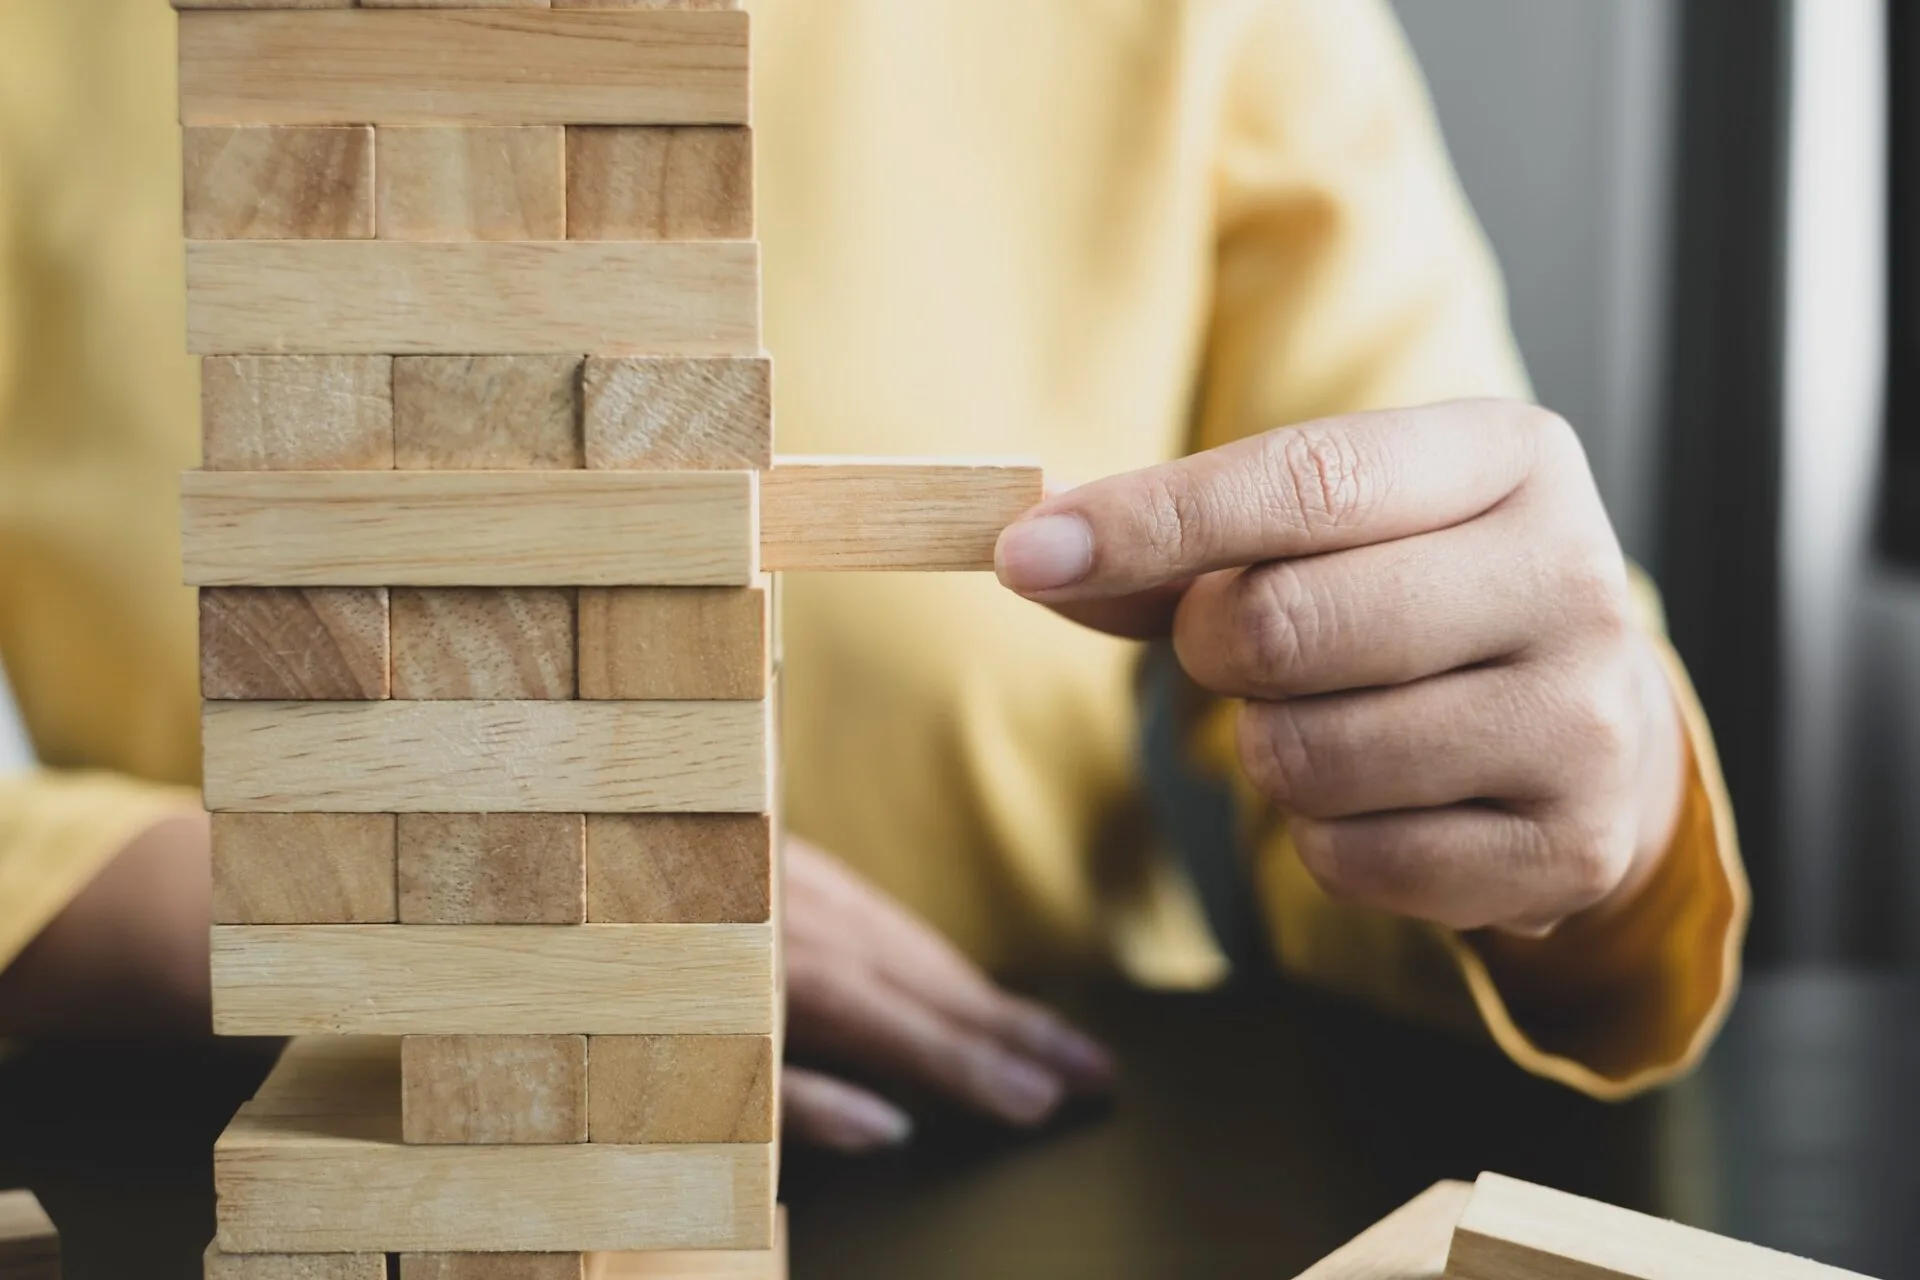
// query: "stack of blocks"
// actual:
[[484, 537]]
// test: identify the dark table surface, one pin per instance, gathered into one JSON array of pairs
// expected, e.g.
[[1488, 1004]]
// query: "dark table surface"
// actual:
[[1254, 1132]]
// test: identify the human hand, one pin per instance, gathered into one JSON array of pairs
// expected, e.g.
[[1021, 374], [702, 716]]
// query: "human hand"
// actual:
[[874, 988], [1428, 614]]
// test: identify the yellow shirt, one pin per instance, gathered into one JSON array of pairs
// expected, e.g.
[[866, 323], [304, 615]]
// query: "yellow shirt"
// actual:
[[1102, 232]]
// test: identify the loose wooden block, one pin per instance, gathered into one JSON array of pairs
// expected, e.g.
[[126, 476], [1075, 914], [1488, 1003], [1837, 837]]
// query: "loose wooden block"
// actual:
[[697, 298], [493, 868], [332, 1075], [29, 1246], [263, 182], [303, 868], [469, 528], [836, 514], [484, 642], [294, 643], [1408, 1244], [675, 642], [493, 1089], [493, 1266], [483, 182], [292, 1266], [681, 1088], [661, 413], [509, 413], [486, 757], [521, 979], [296, 413], [689, 183], [497, 67], [680, 868]]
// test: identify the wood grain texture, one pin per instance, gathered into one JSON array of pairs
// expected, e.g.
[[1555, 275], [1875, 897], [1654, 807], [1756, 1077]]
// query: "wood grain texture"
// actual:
[[29, 1246], [662, 183], [493, 1089], [476, 182], [681, 1088], [266, 182], [332, 1075], [493, 980], [833, 514], [292, 1266], [475, 298], [663, 413], [486, 757], [464, 413], [469, 528], [296, 413], [672, 643], [303, 868], [698, 1264], [681, 868], [530, 66], [484, 642], [493, 868], [317, 643], [493, 1266], [1408, 1244]]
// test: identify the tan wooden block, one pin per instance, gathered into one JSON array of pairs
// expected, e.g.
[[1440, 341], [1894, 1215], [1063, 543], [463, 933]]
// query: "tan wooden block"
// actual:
[[483, 642], [263, 4], [265, 182], [1408, 1244], [511, 413], [469, 528], [296, 413], [662, 183], [480, 182], [493, 1266], [333, 1076], [697, 1264], [673, 643], [292, 1266], [818, 514], [661, 413], [647, 4], [294, 643], [681, 1088], [699, 298], [29, 1246], [493, 868], [533, 66], [493, 1089], [303, 868], [680, 868]]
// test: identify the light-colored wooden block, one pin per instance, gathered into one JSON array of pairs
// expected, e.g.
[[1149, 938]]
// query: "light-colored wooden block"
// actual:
[[493, 868], [469, 528], [480, 182], [662, 413], [1408, 1244], [265, 182], [494, 1266], [698, 1264], [332, 1075], [263, 4], [663, 183], [294, 643], [303, 868], [486, 757], [508, 413], [29, 1246], [845, 514], [647, 4], [518, 979], [1512, 1229], [680, 868], [292, 1266], [675, 642], [493, 1089], [523, 67], [698, 298], [296, 413], [484, 642], [681, 1088]]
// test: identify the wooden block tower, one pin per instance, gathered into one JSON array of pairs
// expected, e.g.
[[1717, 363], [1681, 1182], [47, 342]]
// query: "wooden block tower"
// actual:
[[484, 537]]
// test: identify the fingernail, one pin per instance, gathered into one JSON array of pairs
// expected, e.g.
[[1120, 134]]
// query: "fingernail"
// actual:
[[1023, 1092], [1044, 553], [867, 1124]]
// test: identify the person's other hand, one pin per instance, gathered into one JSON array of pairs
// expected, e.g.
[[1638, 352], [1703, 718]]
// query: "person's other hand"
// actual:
[[1428, 614], [872, 987]]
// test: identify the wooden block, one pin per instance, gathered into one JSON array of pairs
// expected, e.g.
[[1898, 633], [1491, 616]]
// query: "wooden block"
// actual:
[[484, 642], [524, 67], [521, 979], [838, 514], [263, 4], [263, 182], [332, 1075], [662, 183], [674, 642], [296, 413], [493, 1266], [647, 4], [511, 413], [486, 757], [493, 1089], [681, 1088], [29, 1246], [292, 1266], [1512, 1229], [303, 868], [698, 1264], [1408, 1244], [493, 868], [482, 182], [294, 643], [680, 868], [469, 528], [655, 413]]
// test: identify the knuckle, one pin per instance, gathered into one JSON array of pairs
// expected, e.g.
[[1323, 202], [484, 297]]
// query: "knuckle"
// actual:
[[1175, 518], [1593, 856], [1326, 485], [1275, 753], [1274, 626], [1553, 438], [1595, 725], [1595, 593], [1347, 870]]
